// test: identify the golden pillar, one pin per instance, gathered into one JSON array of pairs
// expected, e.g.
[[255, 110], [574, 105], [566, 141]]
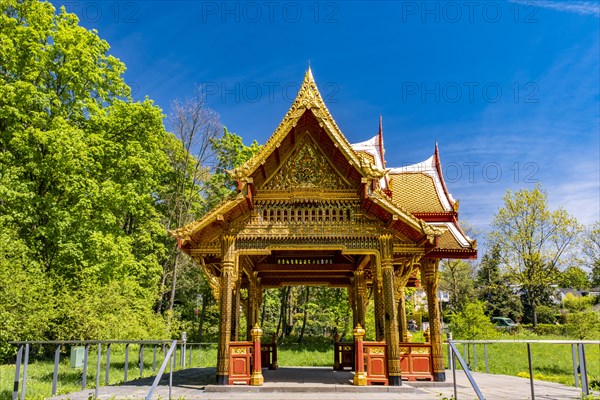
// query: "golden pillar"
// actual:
[[250, 313], [392, 337], [352, 300], [378, 299], [256, 379], [359, 298], [429, 276], [402, 315], [360, 377], [235, 310], [228, 278]]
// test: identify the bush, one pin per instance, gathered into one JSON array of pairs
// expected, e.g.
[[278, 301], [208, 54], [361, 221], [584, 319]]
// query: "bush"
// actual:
[[577, 303], [546, 315], [584, 325], [471, 323], [550, 329]]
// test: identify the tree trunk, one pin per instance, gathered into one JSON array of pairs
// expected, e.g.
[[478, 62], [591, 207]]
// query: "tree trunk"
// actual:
[[162, 294], [174, 283], [305, 316], [290, 309], [281, 322], [202, 317]]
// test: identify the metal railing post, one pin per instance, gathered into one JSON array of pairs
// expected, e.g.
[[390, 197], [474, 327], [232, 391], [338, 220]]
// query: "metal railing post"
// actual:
[[15, 393], [86, 353], [169, 359], [154, 358], [183, 348], [450, 358], [474, 355], [171, 368], [583, 368], [574, 356], [190, 361], [141, 360], [453, 372], [55, 373], [25, 363], [107, 372], [485, 356], [530, 371], [126, 362], [465, 368], [98, 362]]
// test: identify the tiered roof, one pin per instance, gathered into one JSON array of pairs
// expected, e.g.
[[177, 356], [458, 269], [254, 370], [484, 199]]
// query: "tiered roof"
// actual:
[[413, 200]]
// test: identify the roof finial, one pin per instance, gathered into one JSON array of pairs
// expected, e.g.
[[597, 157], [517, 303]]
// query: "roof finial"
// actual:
[[309, 76], [380, 135]]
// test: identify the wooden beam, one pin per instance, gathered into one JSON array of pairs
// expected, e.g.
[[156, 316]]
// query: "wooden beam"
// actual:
[[318, 268]]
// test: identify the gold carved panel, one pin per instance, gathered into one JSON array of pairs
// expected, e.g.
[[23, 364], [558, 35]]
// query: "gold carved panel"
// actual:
[[307, 168]]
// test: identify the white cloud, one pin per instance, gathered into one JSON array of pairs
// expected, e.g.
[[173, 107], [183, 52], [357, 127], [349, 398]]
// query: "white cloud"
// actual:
[[576, 7]]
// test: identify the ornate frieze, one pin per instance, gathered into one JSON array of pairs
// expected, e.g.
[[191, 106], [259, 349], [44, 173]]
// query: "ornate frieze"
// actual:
[[307, 168]]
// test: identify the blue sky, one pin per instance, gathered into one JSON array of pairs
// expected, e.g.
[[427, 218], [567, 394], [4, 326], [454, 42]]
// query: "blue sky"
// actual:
[[509, 89]]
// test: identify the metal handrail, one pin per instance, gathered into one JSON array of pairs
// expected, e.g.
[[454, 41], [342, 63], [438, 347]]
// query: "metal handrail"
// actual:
[[103, 346], [161, 371], [456, 354], [577, 353], [527, 341]]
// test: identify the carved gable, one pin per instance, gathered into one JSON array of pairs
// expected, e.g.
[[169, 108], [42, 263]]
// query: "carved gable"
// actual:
[[307, 168]]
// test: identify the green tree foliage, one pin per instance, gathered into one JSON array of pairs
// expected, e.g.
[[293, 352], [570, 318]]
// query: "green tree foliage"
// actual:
[[533, 241], [194, 126], [82, 170], [471, 323], [546, 314], [584, 325], [495, 288], [573, 278], [26, 300], [456, 278], [591, 251], [327, 312], [230, 153], [575, 303]]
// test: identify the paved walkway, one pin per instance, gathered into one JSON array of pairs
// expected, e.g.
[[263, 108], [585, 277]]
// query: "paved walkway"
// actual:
[[323, 383]]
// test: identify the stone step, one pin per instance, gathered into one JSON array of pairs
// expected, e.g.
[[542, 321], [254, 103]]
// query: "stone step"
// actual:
[[308, 388]]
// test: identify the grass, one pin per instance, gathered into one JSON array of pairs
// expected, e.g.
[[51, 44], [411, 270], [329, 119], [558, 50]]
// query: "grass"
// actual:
[[551, 362], [40, 369]]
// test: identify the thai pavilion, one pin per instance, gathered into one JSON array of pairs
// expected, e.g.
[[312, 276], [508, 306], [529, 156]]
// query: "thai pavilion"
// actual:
[[313, 209]]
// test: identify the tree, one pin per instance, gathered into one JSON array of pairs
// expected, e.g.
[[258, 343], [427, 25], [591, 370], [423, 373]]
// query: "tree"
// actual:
[[82, 169], [573, 277], [591, 251], [584, 325], [456, 278], [26, 300], [533, 241], [496, 289], [194, 126], [471, 323], [575, 303], [230, 153]]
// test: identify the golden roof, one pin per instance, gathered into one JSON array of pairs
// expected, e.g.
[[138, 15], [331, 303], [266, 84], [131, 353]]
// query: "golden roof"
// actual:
[[415, 192], [410, 196]]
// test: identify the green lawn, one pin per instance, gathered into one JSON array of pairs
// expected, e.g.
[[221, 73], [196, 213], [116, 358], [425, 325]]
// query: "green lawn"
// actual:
[[40, 370], [551, 362]]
